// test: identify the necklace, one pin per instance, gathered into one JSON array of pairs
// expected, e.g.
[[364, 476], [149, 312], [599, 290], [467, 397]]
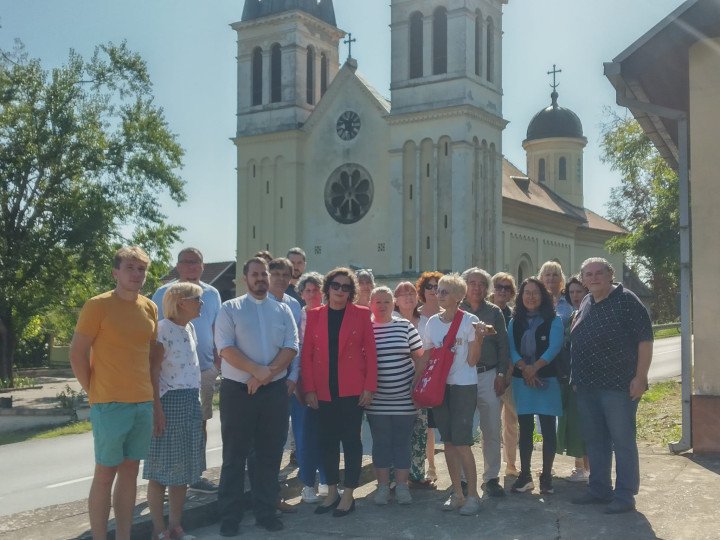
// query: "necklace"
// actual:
[[444, 317]]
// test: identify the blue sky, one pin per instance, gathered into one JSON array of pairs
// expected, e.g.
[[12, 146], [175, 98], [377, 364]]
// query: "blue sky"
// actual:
[[190, 51]]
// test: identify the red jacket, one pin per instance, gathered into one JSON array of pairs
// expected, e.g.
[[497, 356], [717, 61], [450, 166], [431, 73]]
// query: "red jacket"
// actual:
[[357, 359]]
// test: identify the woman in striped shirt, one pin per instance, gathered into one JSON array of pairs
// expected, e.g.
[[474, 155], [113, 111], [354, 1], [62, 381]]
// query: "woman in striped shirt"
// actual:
[[391, 414]]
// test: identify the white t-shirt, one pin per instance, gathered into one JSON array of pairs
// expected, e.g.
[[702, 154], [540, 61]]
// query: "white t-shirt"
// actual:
[[179, 368], [461, 373]]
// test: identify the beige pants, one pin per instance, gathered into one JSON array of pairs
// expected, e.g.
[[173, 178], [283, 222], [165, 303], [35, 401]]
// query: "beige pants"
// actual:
[[510, 430]]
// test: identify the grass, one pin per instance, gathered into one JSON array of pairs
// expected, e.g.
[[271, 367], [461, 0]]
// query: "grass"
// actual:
[[666, 332], [71, 428], [19, 382], [659, 415]]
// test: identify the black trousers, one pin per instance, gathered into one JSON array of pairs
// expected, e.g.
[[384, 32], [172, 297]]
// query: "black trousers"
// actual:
[[527, 426], [341, 421], [259, 421]]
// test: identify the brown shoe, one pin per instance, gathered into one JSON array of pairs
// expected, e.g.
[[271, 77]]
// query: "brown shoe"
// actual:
[[284, 507]]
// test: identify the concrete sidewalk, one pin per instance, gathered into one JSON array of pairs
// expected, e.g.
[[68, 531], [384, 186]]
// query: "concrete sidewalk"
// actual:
[[678, 500]]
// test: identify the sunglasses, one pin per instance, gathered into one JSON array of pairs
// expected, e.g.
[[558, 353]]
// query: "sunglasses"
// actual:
[[196, 297], [344, 287], [443, 292], [507, 288], [430, 287]]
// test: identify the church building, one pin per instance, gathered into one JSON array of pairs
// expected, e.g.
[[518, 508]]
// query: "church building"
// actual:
[[417, 183]]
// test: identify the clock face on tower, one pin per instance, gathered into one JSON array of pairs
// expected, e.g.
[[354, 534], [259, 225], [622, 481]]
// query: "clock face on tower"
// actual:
[[348, 125]]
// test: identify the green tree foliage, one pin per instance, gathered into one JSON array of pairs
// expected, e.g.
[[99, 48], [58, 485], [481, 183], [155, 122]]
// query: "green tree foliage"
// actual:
[[646, 203], [85, 155]]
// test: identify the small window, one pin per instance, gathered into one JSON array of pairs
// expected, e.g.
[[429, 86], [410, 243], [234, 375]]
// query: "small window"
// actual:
[[381, 247], [411, 192], [281, 203], [253, 231], [257, 75], [490, 50], [446, 221], [440, 41], [276, 74], [562, 169], [427, 243], [253, 171], [478, 44], [416, 45], [310, 85], [446, 148], [323, 74], [541, 170], [318, 250], [427, 170], [410, 262]]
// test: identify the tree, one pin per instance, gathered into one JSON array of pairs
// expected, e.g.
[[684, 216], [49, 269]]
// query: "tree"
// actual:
[[646, 203], [84, 156]]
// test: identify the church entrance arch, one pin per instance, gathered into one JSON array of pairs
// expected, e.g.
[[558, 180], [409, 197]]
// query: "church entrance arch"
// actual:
[[524, 268]]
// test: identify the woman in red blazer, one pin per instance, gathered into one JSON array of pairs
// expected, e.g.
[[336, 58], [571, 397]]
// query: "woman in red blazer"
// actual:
[[339, 371]]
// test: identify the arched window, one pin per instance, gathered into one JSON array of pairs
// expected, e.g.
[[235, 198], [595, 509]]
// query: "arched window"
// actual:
[[310, 76], [541, 170], [323, 74], [257, 76], [416, 45], [490, 50], [275, 74], [478, 43], [440, 41], [562, 169]]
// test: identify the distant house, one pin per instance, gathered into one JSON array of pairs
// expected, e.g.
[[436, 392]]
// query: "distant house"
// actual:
[[220, 275]]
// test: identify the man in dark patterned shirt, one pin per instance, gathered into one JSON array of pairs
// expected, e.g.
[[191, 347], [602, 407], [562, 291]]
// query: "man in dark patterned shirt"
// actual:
[[612, 342]]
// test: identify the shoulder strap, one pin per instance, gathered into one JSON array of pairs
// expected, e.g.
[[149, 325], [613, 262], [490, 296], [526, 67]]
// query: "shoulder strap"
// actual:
[[452, 332]]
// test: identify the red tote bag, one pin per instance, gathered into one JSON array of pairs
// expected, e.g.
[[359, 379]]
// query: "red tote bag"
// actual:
[[430, 387]]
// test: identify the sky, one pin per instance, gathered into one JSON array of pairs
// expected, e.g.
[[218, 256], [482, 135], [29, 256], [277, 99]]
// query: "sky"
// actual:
[[190, 51]]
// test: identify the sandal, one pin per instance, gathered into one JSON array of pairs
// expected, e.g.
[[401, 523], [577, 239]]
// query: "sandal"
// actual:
[[177, 533], [431, 474], [425, 483]]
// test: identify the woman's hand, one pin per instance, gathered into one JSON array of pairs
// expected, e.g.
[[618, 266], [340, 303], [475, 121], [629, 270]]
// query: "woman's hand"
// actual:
[[158, 419], [366, 397], [311, 400], [529, 373]]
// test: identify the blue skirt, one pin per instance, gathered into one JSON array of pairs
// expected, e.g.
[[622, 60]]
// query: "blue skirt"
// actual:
[[177, 456], [529, 400]]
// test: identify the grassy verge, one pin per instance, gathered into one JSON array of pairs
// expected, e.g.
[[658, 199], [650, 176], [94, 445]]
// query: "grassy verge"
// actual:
[[71, 428], [659, 414], [666, 332]]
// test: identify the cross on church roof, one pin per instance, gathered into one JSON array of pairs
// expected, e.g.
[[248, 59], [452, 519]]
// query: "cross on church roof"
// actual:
[[349, 41], [554, 72]]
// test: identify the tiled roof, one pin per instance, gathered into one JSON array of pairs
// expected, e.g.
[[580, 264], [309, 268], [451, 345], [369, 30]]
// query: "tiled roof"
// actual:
[[211, 273]]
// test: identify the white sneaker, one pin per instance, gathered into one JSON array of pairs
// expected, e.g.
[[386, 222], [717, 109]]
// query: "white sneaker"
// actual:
[[382, 495], [402, 493], [578, 475], [471, 506], [452, 503], [309, 496], [323, 490]]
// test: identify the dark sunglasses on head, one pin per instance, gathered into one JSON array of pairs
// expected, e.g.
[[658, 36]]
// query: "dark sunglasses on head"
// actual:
[[430, 287], [507, 288], [345, 287]]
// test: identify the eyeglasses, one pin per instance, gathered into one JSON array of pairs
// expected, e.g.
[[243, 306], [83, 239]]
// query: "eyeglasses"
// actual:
[[430, 287], [532, 293], [345, 287], [507, 288], [196, 297], [443, 292]]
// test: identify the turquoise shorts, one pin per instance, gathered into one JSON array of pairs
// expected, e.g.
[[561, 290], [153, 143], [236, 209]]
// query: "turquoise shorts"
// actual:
[[121, 431]]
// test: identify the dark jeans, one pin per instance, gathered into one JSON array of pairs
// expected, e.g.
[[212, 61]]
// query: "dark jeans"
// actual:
[[341, 421], [527, 425], [607, 425], [259, 421]]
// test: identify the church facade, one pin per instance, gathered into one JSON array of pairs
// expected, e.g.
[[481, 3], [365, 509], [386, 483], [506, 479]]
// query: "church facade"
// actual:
[[417, 183]]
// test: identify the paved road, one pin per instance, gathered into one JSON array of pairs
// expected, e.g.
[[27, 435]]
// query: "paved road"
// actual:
[[54, 471]]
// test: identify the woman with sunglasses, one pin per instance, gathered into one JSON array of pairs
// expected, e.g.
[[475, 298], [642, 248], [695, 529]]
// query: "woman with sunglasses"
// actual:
[[338, 363], [176, 457]]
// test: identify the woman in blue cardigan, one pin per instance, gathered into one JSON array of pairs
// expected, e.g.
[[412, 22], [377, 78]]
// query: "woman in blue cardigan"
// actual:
[[536, 336]]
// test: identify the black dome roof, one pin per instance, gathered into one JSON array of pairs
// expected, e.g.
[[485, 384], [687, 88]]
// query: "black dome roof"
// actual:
[[322, 9], [554, 121]]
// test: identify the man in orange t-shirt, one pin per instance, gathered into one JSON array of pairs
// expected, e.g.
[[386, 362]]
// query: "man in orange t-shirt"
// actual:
[[110, 356]]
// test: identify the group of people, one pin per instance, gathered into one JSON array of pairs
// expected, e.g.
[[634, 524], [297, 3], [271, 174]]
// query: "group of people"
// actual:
[[327, 351]]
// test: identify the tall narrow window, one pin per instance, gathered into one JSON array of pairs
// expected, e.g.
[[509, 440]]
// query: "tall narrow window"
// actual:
[[276, 74], [323, 74], [478, 44], [541, 170], [310, 76], [562, 169], [490, 50], [416, 45], [440, 41], [257, 75]]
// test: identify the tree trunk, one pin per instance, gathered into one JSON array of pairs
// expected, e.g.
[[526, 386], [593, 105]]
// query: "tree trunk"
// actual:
[[7, 348]]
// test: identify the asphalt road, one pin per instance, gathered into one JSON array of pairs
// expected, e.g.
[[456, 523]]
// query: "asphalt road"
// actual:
[[54, 471]]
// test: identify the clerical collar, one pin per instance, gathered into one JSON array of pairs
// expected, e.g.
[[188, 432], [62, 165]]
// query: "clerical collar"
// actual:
[[257, 300]]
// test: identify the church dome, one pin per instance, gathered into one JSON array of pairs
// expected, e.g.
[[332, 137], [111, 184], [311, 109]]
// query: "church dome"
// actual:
[[554, 121], [322, 9]]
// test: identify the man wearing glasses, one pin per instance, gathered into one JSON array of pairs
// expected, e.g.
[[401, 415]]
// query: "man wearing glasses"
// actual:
[[190, 268], [491, 369], [257, 338]]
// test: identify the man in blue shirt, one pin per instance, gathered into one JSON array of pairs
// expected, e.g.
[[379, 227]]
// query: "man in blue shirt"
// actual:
[[257, 338], [190, 268]]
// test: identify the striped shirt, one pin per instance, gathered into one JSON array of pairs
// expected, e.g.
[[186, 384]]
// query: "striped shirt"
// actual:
[[394, 341]]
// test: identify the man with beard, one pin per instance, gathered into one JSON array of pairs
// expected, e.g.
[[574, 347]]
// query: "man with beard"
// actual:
[[297, 258], [257, 338]]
